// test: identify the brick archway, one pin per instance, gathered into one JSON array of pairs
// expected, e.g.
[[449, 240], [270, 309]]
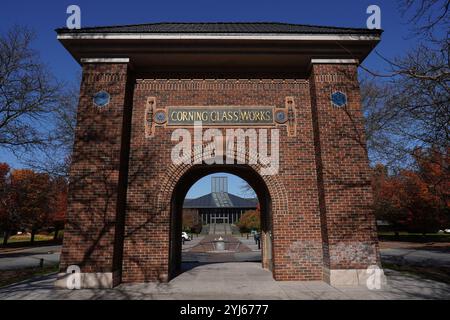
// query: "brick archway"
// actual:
[[275, 187], [122, 176], [270, 191]]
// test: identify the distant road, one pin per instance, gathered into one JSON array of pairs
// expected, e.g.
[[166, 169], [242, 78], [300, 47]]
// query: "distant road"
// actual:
[[29, 257]]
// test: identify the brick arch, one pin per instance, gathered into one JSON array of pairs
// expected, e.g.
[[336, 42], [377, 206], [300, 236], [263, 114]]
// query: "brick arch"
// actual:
[[275, 204], [274, 185]]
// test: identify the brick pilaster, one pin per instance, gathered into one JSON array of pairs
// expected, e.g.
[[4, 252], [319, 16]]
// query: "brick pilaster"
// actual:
[[348, 223], [94, 228]]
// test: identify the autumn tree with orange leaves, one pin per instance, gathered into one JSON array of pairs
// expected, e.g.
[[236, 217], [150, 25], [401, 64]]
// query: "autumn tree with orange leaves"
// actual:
[[387, 199], [31, 201], [250, 220], [31, 196], [9, 219], [415, 200], [58, 205]]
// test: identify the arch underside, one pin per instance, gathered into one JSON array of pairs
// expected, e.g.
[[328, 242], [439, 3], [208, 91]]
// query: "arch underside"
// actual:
[[179, 179]]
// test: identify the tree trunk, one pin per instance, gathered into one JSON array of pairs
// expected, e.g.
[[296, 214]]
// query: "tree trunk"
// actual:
[[55, 236], [33, 233], [5, 237]]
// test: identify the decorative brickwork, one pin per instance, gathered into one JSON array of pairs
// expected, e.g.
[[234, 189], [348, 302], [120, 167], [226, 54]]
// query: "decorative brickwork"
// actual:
[[345, 191], [125, 191], [92, 237]]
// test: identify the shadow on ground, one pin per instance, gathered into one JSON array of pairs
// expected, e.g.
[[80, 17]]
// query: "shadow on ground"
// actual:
[[245, 280]]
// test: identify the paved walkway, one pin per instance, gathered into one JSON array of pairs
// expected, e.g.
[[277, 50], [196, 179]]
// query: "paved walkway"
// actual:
[[250, 242], [220, 276], [244, 280], [188, 245], [219, 228], [201, 250]]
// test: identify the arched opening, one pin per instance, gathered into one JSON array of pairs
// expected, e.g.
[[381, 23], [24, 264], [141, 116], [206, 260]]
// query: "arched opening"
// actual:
[[188, 179]]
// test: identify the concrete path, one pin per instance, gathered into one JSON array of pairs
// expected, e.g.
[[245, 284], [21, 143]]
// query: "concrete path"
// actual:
[[29, 257], [233, 281], [203, 257], [250, 242], [188, 245], [219, 228], [200, 250], [219, 276]]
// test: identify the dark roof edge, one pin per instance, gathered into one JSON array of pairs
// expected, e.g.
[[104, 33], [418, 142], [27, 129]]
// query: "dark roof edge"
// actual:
[[347, 29]]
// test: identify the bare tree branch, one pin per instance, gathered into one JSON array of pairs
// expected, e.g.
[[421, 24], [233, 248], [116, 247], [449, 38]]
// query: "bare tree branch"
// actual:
[[28, 92]]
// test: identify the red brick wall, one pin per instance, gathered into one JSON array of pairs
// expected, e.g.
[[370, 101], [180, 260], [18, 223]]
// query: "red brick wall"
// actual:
[[320, 200], [343, 169], [296, 225], [95, 198]]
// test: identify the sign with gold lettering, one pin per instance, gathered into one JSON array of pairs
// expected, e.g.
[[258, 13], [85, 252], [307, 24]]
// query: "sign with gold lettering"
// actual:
[[221, 115]]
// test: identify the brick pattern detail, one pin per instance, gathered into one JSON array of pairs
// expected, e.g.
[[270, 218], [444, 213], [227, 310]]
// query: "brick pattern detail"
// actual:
[[152, 177], [123, 182], [348, 223], [90, 232], [149, 123]]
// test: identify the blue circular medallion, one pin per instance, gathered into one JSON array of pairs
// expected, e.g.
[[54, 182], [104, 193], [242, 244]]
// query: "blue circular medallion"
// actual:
[[160, 117], [101, 98], [339, 99], [280, 116]]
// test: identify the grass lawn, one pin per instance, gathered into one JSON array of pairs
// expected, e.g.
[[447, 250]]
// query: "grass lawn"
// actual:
[[27, 238], [17, 239], [8, 277]]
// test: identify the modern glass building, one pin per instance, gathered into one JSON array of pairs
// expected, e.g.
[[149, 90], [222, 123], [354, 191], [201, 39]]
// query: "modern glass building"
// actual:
[[219, 206]]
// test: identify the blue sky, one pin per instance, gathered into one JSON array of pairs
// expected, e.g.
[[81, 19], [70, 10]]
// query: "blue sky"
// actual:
[[45, 16], [235, 184]]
